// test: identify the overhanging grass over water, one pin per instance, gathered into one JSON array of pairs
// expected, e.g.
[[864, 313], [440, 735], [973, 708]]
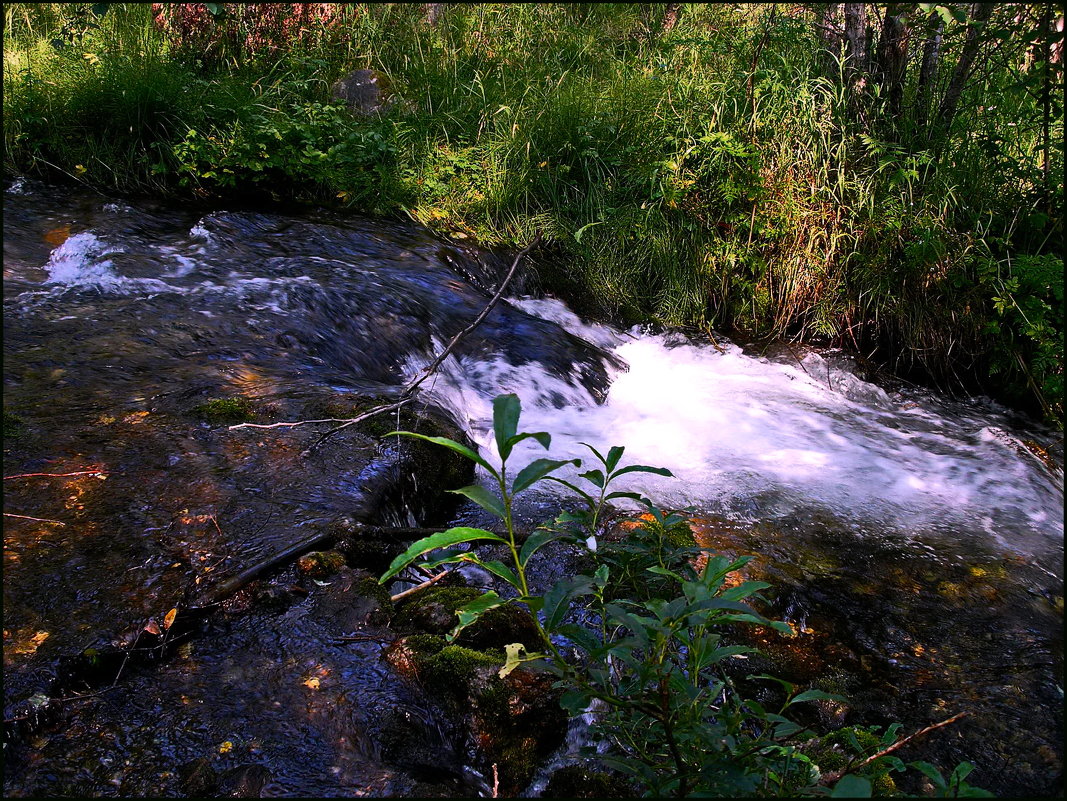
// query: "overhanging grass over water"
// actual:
[[727, 172]]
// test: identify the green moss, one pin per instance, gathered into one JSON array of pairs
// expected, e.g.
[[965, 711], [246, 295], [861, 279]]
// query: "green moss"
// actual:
[[434, 610], [834, 751], [225, 410], [13, 426], [370, 587], [321, 563]]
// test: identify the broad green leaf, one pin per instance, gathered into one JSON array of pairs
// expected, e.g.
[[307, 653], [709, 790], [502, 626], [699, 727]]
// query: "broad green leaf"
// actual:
[[789, 686], [544, 438], [506, 410], [632, 495], [484, 498], [500, 569], [815, 695], [443, 539], [613, 458], [850, 786], [570, 486], [643, 468], [931, 772], [596, 453], [535, 471], [593, 477], [580, 636], [557, 599], [535, 542], [451, 444], [514, 655], [470, 612]]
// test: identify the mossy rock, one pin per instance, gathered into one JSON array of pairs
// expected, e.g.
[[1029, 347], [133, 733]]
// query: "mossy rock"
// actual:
[[372, 554], [433, 610], [512, 723], [219, 411], [575, 781], [14, 427], [834, 751], [319, 564]]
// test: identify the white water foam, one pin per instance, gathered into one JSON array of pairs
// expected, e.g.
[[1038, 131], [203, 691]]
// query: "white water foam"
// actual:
[[734, 428]]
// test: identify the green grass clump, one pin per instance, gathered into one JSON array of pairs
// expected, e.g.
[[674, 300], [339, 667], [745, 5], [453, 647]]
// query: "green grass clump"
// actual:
[[13, 426], [220, 411]]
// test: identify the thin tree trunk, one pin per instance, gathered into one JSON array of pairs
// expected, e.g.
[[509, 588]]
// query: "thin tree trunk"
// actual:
[[432, 12], [928, 70], [892, 57], [855, 37], [830, 35], [947, 110], [1046, 107]]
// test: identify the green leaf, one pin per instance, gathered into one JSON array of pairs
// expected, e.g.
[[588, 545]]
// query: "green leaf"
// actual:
[[593, 477], [557, 599], [536, 470], [506, 409], [541, 436], [570, 486], [451, 444], [852, 787], [644, 468], [815, 695], [442, 539], [535, 542], [470, 612], [931, 772], [484, 498], [499, 569], [583, 229], [613, 458], [515, 654], [632, 495]]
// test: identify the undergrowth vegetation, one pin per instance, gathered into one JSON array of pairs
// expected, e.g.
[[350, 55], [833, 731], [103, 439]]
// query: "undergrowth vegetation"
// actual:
[[739, 167], [642, 640]]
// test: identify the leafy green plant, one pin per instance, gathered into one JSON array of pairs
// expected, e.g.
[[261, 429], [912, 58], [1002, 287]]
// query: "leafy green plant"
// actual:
[[651, 655]]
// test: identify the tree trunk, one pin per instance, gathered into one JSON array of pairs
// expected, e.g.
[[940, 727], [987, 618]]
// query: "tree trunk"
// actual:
[[947, 110], [928, 70], [830, 35], [892, 57], [855, 37], [432, 12]]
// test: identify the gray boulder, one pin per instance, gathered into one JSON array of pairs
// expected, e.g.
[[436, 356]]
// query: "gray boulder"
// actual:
[[365, 91]]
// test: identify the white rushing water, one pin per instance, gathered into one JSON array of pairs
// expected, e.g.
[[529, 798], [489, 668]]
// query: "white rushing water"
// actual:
[[760, 439]]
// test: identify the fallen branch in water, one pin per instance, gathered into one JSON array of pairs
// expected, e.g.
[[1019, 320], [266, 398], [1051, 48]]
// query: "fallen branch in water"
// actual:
[[36, 519], [409, 390], [417, 587], [829, 778], [97, 473]]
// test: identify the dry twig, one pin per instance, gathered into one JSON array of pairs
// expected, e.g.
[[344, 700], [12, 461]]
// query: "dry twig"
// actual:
[[837, 774], [409, 390]]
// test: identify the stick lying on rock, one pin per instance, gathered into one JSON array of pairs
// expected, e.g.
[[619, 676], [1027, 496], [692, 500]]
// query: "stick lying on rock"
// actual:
[[408, 393]]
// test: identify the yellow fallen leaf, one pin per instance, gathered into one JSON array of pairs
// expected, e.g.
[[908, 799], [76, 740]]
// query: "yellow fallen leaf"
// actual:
[[226, 747], [168, 621], [312, 683]]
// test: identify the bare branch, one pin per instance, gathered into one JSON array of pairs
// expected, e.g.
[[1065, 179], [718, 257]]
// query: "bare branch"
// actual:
[[409, 390], [417, 587], [837, 774], [35, 519]]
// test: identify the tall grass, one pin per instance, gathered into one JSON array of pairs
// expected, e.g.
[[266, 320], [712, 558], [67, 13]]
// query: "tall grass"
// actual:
[[712, 176]]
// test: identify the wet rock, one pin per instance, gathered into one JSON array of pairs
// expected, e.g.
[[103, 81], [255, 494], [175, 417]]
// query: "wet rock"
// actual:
[[355, 600], [244, 781], [320, 564], [199, 778], [513, 723], [364, 91]]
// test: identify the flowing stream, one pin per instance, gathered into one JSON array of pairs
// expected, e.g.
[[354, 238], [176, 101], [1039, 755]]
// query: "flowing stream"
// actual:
[[915, 541]]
